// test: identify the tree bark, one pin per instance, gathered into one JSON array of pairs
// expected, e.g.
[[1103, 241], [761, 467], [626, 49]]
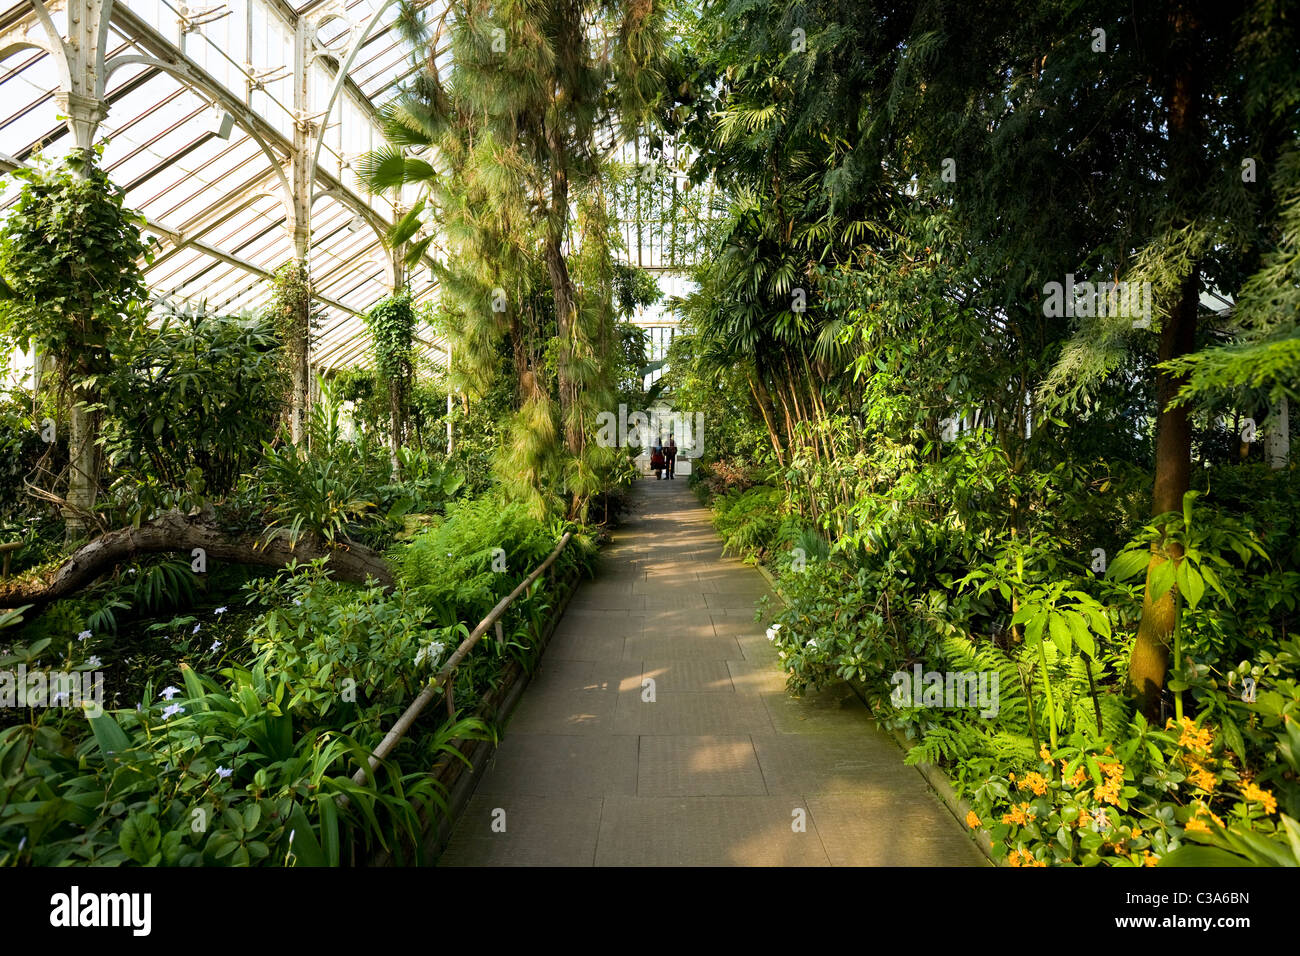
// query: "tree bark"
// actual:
[[82, 470], [300, 378], [1149, 660], [396, 426], [174, 531]]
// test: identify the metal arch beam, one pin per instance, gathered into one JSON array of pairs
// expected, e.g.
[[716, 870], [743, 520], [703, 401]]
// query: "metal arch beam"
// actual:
[[184, 72], [165, 51], [142, 33], [167, 56], [17, 40], [373, 220], [340, 81], [58, 47], [80, 60], [231, 260]]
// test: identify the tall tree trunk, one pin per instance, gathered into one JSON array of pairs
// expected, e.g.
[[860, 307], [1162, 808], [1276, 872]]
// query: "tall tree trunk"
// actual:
[[566, 307], [396, 425], [1149, 661], [764, 402], [82, 465], [1150, 657], [300, 375]]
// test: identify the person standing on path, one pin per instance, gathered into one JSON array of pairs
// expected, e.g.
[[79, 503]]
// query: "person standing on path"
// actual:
[[670, 456], [657, 458]]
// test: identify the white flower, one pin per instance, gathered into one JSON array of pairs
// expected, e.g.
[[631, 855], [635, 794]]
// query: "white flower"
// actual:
[[171, 710], [215, 646], [224, 772], [22, 843], [84, 636], [430, 654], [217, 612], [812, 645], [94, 661], [773, 631], [196, 628], [59, 697], [297, 603], [168, 692]]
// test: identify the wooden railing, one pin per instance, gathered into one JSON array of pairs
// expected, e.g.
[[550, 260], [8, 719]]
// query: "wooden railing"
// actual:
[[444, 679]]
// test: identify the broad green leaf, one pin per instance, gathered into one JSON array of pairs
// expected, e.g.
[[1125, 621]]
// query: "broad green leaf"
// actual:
[[407, 226], [139, 837], [1201, 856], [112, 739], [1191, 584], [1060, 630], [1034, 628], [1128, 564], [1082, 636], [1161, 580]]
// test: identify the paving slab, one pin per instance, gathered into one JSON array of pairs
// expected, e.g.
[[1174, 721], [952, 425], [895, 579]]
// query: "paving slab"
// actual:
[[538, 831], [549, 765], [707, 831], [658, 731], [706, 765]]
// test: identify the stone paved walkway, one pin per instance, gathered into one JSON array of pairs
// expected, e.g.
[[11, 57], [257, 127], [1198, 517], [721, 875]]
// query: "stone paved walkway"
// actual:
[[722, 766]]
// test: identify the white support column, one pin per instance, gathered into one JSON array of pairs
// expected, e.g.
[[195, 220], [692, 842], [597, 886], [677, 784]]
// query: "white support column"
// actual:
[[80, 60], [1277, 441], [300, 164], [451, 437]]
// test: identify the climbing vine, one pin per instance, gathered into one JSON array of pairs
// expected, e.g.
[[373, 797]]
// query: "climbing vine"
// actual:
[[70, 273], [70, 256], [392, 328], [290, 314], [291, 309]]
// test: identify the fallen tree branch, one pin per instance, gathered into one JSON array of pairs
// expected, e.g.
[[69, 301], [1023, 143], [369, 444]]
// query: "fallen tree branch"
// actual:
[[174, 531]]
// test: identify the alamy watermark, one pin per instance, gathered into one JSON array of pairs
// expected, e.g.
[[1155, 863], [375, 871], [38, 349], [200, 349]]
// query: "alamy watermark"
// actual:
[[74, 909], [40, 688], [947, 690], [1129, 300], [642, 428]]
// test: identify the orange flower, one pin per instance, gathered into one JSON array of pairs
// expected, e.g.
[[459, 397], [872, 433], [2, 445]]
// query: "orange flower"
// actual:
[[1017, 815], [973, 821], [1259, 795], [1033, 781], [1044, 753], [1108, 792], [1196, 824], [1201, 778], [1193, 738]]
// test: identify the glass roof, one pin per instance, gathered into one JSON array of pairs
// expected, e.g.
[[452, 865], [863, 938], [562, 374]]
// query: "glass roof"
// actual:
[[200, 131], [207, 108]]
